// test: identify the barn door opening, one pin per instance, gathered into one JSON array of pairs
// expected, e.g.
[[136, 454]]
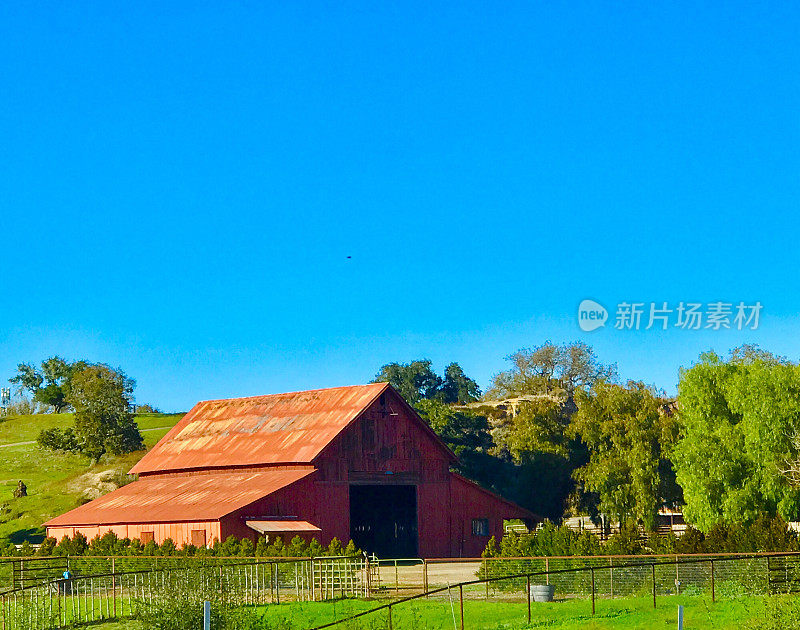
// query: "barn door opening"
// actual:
[[383, 520]]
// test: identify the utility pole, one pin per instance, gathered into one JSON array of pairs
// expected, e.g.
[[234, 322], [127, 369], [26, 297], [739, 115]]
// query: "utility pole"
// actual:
[[5, 399]]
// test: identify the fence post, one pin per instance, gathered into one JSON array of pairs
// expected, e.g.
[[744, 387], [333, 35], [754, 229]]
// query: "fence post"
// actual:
[[390, 617], [461, 603], [547, 570], [528, 590], [592, 590], [653, 567], [396, 579], [206, 615], [611, 574], [769, 576], [680, 617], [713, 591], [486, 576], [425, 576], [114, 585]]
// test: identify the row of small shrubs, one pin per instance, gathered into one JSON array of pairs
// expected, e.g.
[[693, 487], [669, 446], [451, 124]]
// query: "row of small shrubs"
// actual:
[[109, 544], [766, 533]]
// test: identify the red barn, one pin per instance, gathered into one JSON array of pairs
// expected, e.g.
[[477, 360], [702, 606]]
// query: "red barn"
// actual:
[[347, 462]]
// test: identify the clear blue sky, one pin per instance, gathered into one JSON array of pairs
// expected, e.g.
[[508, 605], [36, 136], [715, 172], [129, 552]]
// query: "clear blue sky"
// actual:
[[181, 184]]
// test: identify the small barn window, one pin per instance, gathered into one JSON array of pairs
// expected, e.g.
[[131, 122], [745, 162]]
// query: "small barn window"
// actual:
[[146, 537], [480, 526], [199, 537]]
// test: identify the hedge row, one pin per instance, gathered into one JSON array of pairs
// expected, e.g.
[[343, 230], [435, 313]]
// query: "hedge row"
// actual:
[[112, 545], [766, 533]]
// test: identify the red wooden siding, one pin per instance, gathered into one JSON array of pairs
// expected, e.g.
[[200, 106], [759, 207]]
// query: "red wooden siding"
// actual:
[[180, 533]]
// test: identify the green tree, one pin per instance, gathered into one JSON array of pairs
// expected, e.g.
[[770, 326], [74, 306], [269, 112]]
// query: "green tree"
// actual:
[[56, 439], [537, 441], [101, 398], [247, 548], [457, 387], [56, 372], [167, 548], [297, 547], [538, 425], [462, 431], [335, 547], [417, 381], [627, 434], [28, 378], [315, 549], [414, 381], [47, 547], [48, 384], [533, 431], [533, 372], [468, 435], [739, 419], [627, 542], [550, 369]]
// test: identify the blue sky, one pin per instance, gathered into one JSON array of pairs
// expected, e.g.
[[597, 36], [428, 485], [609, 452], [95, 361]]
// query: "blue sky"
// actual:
[[181, 185]]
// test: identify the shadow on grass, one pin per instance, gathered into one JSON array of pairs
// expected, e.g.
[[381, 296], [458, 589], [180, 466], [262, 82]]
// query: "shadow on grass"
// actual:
[[33, 535]]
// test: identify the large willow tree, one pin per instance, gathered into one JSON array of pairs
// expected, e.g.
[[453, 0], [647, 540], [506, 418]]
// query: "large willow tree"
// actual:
[[740, 422], [627, 430]]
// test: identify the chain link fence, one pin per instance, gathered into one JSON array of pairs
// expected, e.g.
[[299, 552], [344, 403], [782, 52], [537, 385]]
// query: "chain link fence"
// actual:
[[101, 588], [615, 576], [86, 598], [589, 578]]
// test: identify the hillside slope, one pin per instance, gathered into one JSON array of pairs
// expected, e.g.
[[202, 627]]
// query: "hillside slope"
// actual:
[[56, 482]]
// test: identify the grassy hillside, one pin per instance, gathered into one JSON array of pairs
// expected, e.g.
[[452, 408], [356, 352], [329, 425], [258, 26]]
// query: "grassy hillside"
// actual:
[[56, 482]]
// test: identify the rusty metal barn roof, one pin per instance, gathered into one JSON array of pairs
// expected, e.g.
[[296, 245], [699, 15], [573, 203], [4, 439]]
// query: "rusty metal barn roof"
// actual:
[[273, 429], [180, 498]]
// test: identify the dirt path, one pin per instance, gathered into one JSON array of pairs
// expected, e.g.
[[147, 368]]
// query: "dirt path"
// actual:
[[34, 441]]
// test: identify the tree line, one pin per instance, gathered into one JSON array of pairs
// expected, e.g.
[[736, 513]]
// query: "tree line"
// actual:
[[557, 432], [560, 434]]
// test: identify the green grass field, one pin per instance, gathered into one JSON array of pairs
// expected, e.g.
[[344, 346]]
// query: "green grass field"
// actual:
[[54, 480], [631, 614]]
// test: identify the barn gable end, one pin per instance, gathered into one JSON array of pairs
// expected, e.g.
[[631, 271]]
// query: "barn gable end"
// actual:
[[388, 439]]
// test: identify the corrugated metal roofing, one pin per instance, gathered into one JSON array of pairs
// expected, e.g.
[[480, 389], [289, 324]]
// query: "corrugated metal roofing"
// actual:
[[180, 498], [273, 429], [275, 527]]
